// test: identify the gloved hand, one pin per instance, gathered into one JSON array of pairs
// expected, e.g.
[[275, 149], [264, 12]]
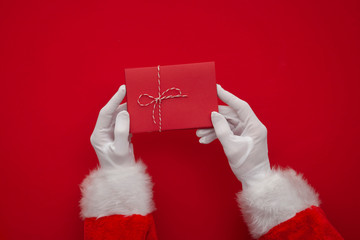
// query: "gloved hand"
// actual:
[[243, 137], [111, 138]]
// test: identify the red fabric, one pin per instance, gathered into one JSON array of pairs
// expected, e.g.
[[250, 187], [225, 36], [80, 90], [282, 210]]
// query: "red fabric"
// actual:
[[118, 227], [308, 224]]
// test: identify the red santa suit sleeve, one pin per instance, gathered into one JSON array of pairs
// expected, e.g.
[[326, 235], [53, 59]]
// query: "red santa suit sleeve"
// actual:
[[282, 205], [117, 203]]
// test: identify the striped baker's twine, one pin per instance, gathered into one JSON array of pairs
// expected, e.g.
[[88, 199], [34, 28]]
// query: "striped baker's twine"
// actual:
[[161, 96]]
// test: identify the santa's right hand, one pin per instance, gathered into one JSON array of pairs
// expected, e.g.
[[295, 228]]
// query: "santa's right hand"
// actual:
[[111, 137]]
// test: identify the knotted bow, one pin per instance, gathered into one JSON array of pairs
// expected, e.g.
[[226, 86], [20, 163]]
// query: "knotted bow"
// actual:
[[161, 96]]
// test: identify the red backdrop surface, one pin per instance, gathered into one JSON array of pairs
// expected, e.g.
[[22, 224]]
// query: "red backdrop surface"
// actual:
[[296, 63]]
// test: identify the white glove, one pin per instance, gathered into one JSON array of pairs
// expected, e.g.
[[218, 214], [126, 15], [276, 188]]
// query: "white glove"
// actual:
[[111, 138], [243, 137]]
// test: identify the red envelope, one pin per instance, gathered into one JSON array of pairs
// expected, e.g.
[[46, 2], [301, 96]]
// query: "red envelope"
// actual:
[[185, 99]]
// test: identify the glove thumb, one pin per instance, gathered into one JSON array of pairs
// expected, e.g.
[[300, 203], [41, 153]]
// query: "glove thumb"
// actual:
[[121, 132], [221, 127]]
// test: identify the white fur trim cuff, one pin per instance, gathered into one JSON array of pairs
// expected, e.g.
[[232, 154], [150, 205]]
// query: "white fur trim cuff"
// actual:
[[274, 199], [123, 190]]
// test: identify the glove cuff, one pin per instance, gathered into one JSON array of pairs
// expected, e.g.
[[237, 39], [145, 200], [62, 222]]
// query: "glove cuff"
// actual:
[[276, 197], [123, 190]]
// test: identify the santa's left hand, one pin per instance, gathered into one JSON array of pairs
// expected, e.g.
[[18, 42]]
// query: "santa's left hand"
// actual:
[[243, 137], [111, 137]]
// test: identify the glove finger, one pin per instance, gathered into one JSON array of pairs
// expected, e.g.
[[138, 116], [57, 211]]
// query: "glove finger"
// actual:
[[203, 132], [208, 138], [212, 134], [221, 127], [233, 121], [107, 112], [121, 133], [227, 111], [241, 107]]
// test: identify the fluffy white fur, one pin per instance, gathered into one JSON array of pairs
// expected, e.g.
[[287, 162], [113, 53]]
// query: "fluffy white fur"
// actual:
[[124, 190], [275, 199]]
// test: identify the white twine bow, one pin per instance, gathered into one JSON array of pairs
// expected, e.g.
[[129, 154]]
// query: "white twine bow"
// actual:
[[161, 96]]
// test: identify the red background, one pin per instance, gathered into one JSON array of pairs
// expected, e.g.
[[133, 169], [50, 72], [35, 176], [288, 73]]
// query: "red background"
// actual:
[[296, 63]]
